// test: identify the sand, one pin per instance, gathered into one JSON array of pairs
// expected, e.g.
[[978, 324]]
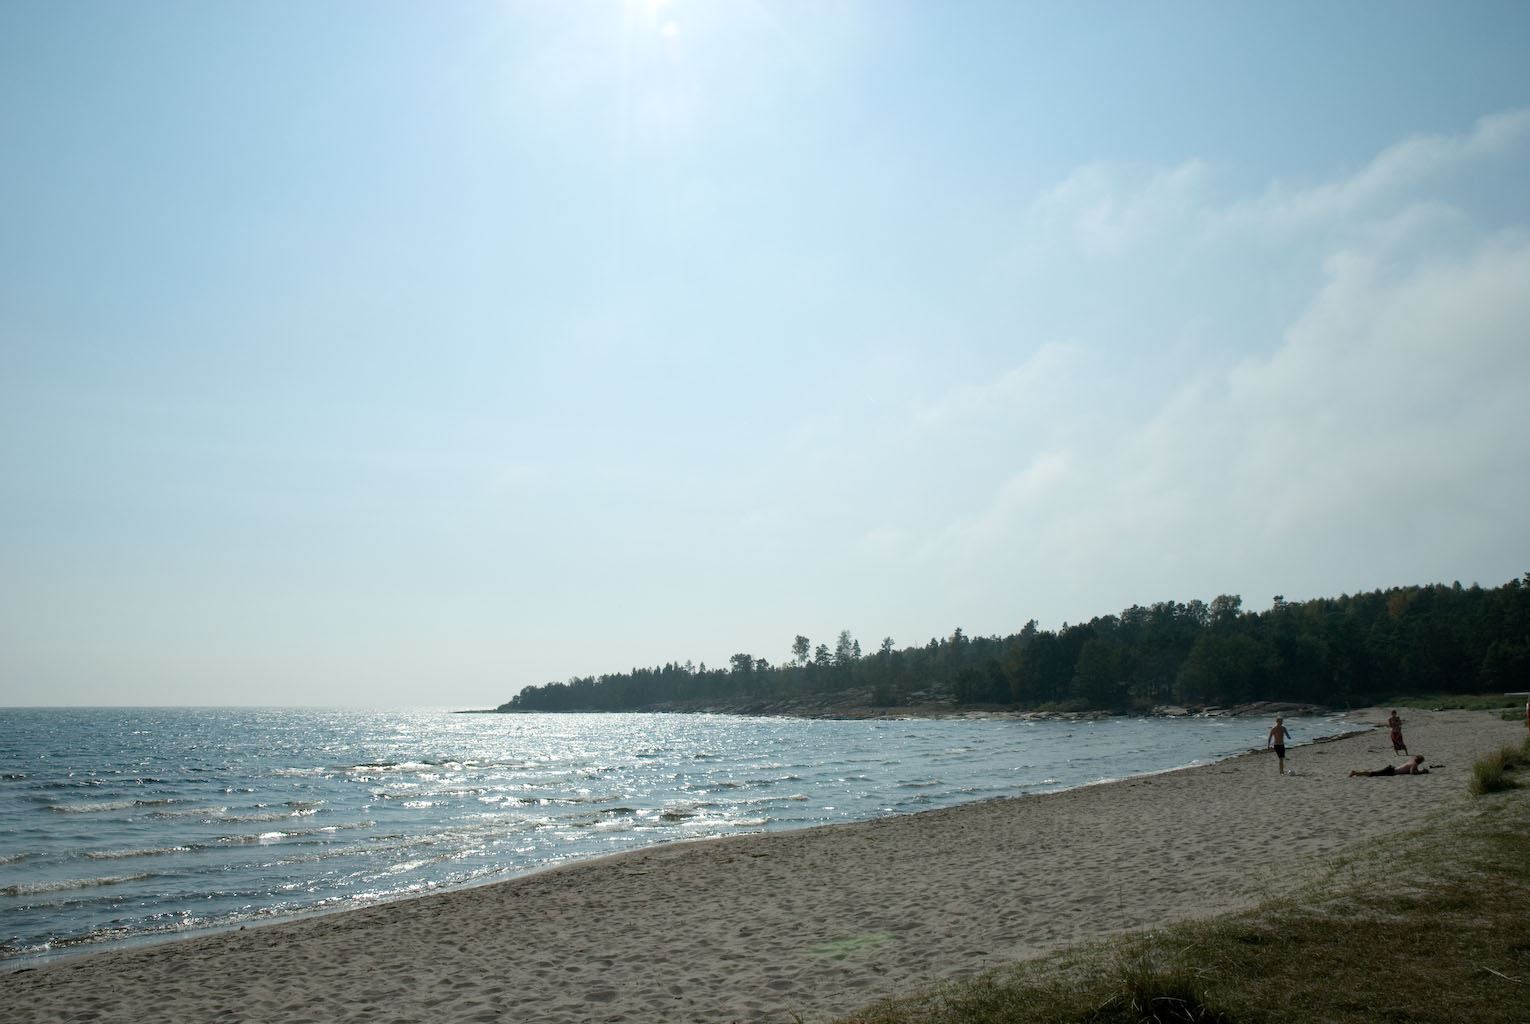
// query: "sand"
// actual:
[[817, 922]]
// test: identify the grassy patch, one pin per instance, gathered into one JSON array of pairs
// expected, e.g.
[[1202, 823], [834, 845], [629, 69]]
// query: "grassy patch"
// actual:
[[1491, 774], [1455, 702], [1432, 926]]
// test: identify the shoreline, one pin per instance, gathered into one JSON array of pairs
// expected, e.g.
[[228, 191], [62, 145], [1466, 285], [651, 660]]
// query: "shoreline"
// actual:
[[71, 950], [815, 921]]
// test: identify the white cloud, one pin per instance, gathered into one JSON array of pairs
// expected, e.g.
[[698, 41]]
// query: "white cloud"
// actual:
[[1397, 168], [1382, 443], [1107, 214], [1108, 210], [1378, 439], [1028, 389]]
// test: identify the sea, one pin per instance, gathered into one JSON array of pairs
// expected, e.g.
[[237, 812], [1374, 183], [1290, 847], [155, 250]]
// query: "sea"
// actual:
[[121, 825]]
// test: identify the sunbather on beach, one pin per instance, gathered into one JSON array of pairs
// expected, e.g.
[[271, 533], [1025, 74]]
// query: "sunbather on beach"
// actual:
[[1413, 766]]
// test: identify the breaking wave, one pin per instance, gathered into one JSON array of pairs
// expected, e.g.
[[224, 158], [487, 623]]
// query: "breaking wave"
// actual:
[[67, 884]]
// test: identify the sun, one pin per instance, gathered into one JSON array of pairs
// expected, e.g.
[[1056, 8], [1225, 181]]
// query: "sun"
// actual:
[[655, 16]]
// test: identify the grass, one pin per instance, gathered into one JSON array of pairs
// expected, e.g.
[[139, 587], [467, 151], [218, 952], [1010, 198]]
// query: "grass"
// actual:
[[1491, 774], [1456, 702], [1432, 926]]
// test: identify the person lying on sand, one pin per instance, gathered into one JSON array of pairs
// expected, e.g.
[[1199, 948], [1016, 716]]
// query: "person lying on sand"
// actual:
[[1413, 766]]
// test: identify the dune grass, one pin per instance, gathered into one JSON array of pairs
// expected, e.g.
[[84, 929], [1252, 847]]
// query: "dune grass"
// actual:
[[1456, 702], [1433, 926], [1491, 773]]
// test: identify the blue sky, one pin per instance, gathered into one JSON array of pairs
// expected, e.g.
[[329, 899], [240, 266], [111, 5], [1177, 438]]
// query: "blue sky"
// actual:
[[387, 353]]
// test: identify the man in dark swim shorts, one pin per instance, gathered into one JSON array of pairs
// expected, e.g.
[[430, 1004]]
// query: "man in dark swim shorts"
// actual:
[[1277, 739]]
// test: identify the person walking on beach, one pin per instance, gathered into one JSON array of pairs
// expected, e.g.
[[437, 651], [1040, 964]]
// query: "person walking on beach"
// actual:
[[1395, 724], [1412, 766], [1277, 739]]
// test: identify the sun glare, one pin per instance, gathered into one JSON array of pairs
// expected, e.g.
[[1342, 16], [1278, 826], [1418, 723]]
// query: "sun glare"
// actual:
[[656, 16]]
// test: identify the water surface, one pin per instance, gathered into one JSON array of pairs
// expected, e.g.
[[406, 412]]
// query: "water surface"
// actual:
[[118, 824]]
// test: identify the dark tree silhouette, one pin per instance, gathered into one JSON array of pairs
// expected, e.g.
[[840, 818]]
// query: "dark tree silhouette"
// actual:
[[1337, 651]]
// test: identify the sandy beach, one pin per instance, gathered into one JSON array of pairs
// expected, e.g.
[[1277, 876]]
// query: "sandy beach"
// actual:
[[814, 923]]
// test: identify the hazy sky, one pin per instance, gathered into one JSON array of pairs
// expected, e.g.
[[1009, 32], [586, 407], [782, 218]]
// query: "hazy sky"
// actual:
[[401, 353]]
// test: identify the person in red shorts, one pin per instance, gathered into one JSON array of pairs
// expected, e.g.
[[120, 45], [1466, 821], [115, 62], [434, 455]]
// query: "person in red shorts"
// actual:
[[1395, 724]]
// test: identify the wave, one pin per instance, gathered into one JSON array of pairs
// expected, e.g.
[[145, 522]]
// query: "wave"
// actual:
[[406, 866], [101, 806], [67, 884], [263, 837], [414, 790], [269, 816], [756, 800], [124, 854], [14, 858], [95, 807], [451, 764], [221, 813], [192, 812], [71, 783], [268, 837]]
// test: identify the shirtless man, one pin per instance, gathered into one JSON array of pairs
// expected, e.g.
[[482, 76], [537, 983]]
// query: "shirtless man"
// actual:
[[1395, 724], [1277, 739], [1413, 766]]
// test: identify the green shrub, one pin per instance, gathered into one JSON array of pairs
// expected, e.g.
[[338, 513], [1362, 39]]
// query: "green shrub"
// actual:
[[1454, 702], [1491, 774], [1147, 993]]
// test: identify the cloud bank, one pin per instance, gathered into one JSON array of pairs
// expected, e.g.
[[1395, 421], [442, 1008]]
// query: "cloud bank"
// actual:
[[1365, 430]]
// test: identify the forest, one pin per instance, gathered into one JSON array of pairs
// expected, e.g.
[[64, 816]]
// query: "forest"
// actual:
[[1345, 651]]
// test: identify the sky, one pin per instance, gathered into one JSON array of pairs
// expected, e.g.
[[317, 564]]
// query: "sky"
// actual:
[[385, 353]]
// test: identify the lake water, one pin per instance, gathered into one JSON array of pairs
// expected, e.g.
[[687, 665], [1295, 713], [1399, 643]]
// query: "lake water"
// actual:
[[120, 824]]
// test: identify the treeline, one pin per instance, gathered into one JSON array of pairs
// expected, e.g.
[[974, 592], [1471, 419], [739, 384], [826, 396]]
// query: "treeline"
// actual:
[[1344, 651]]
